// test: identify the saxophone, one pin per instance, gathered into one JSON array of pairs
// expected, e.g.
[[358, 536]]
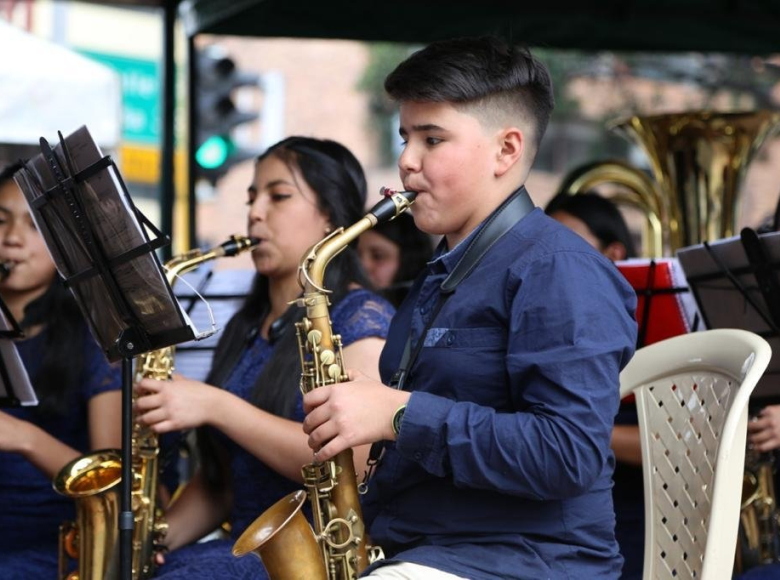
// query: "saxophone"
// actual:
[[759, 518], [337, 547], [93, 480]]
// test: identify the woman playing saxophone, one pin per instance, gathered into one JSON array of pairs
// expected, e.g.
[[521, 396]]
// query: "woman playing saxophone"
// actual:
[[250, 408], [78, 392]]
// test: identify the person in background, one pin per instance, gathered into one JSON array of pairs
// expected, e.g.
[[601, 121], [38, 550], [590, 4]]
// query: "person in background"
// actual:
[[393, 254], [248, 412], [78, 391], [599, 222]]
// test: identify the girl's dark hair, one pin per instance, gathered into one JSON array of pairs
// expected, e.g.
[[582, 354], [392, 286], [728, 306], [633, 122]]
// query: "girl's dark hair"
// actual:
[[415, 245], [416, 249], [57, 378], [602, 217], [7, 172], [337, 179]]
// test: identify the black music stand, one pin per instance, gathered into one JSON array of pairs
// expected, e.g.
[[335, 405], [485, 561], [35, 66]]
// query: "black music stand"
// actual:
[[97, 239], [736, 284], [15, 387]]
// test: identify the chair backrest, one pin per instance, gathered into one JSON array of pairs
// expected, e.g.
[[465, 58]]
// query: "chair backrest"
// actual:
[[692, 394]]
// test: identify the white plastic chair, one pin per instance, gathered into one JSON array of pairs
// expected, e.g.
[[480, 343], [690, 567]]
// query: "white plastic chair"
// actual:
[[692, 397]]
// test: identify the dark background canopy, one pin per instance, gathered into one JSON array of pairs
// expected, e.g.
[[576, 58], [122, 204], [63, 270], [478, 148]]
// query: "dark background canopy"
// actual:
[[741, 26]]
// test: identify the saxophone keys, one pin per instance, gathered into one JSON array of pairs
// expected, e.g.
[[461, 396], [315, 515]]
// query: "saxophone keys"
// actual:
[[334, 371], [314, 337], [327, 356]]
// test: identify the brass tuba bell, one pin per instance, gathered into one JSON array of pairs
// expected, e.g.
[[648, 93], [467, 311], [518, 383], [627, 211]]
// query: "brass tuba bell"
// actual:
[[698, 160]]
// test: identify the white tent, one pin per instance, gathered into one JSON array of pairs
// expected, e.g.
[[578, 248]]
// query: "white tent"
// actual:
[[45, 88]]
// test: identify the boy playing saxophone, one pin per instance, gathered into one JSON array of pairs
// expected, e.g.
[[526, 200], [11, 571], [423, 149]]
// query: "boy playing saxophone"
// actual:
[[498, 462]]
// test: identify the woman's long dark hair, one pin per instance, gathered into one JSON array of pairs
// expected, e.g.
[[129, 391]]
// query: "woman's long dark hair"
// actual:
[[59, 372], [337, 179]]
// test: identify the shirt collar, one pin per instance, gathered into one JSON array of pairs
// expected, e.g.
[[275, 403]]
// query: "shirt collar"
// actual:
[[444, 260]]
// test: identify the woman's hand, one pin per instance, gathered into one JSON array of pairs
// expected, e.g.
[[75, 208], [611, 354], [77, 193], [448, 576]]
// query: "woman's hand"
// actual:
[[349, 414], [764, 430], [174, 405]]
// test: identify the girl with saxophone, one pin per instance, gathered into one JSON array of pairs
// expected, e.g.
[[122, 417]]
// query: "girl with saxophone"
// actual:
[[78, 392], [250, 411]]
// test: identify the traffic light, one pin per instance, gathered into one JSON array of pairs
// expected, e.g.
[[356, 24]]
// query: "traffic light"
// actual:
[[217, 114]]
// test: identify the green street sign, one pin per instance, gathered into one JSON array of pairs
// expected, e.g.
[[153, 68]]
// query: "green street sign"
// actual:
[[140, 95]]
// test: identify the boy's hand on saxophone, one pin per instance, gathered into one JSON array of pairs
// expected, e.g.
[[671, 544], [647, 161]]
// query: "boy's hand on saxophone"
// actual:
[[349, 414]]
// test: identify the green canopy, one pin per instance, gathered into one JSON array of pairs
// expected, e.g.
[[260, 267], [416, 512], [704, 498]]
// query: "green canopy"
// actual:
[[742, 26]]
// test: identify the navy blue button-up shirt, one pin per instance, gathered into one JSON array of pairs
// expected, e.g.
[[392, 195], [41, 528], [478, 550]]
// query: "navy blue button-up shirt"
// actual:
[[502, 468]]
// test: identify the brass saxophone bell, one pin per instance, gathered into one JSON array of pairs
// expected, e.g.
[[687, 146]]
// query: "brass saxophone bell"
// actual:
[[284, 541]]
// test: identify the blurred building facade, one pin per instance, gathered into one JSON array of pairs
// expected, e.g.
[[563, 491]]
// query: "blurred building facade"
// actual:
[[315, 87]]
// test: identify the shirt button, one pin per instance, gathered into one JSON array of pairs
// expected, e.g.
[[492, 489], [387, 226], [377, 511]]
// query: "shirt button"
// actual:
[[423, 309], [450, 338], [417, 455]]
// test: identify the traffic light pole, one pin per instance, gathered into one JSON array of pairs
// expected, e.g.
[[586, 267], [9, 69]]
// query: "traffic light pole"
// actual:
[[192, 136], [167, 186]]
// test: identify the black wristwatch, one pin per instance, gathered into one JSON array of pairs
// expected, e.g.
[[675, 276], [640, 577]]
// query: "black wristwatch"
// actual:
[[398, 416]]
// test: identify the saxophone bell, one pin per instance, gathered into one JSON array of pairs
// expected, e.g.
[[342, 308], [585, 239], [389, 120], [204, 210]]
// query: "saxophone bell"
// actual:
[[281, 526]]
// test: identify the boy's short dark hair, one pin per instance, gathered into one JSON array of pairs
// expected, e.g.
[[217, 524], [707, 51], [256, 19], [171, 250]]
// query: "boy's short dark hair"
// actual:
[[600, 215], [485, 71]]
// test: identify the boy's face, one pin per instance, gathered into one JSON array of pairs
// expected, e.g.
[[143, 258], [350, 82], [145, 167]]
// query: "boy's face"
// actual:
[[450, 159]]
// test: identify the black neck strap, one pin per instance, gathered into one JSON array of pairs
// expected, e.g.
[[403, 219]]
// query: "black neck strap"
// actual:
[[511, 211]]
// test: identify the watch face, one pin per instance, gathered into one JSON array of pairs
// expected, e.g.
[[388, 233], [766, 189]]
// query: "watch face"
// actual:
[[397, 418]]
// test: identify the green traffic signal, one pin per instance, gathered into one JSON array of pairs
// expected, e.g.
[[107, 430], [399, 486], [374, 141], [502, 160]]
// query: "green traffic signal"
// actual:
[[214, 152]]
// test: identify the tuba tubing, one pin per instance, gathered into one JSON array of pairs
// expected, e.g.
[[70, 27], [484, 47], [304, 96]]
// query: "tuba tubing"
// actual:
[[698, 160]]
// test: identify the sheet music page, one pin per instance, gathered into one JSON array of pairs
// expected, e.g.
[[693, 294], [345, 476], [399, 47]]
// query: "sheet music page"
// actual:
[[114, 229], [724, 305]]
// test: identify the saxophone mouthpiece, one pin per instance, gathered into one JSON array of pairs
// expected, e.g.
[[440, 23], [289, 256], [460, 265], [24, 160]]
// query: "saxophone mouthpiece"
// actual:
[[237, 244], [394, 203], [5, 269]]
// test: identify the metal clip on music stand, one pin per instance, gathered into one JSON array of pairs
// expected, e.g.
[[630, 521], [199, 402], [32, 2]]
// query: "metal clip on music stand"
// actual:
[[736, 285], [15, 387], [95, 236]]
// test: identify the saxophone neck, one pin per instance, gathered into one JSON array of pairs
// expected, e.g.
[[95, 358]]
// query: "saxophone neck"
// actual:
[[187, 262], [311, 271]]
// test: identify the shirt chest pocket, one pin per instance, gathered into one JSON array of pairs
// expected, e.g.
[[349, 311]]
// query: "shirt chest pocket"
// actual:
[[466, 363], [487, 338]]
